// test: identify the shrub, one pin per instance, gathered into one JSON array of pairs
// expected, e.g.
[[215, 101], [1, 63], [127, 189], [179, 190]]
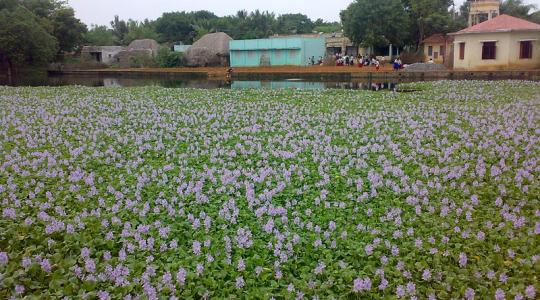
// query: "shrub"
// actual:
[[140, 60], [169, 59]]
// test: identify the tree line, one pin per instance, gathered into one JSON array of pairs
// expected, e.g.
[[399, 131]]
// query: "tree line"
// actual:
[[34, 32], [408, 22], [186, 27]]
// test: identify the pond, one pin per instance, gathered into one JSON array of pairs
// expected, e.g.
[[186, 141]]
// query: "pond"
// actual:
[[204, 83]]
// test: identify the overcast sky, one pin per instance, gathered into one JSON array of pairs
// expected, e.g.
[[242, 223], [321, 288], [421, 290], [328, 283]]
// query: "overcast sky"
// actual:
[[101, 12]]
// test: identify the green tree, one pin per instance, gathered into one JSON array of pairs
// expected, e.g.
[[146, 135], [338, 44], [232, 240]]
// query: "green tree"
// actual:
[[119, 29], [535, 17], [516, 8], [294, 23], [375, 23], [175, 27], [140, 30], [100, 36], [23, 40], [428, 17], [68, 30], [327, 27], [55, 17]]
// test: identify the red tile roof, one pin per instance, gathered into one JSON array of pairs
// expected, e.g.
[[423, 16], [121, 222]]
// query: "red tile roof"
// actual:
[[438, 38], [502, 23]]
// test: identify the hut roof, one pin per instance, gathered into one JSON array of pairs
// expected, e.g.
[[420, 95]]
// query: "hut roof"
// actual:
[[502, 23], [145, 44], [217, 42]]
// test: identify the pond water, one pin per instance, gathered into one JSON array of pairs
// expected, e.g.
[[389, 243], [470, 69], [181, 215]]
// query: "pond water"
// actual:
[[122, 81]]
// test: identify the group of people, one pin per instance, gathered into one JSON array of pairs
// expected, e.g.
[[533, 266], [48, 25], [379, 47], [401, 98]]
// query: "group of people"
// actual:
[[398, 64], [360, 61]]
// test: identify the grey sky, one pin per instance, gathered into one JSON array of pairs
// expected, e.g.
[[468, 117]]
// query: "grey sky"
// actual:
[[101, 12]]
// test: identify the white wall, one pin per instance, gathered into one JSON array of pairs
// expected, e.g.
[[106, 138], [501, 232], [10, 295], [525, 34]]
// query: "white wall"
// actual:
[[507, 53]]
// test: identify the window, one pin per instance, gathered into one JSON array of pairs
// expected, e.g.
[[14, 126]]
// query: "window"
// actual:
[[430, 51], [525, 49], [489, 50], [461, 50], [482, 17], [442, 50]]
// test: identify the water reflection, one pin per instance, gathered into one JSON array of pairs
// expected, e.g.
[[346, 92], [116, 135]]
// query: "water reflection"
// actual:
[[95, 81]]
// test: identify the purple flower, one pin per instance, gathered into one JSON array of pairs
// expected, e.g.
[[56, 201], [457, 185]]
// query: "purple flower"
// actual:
[[368, 249], [90, 265], [320, 268], [181, 276], [530, 292], [258, 270], [361, 284], [400, 291], [103, 295], [19, 289], [462, 259], [426, 275], [45, 265], [240, 282], [3, 258], [499, 294], [196, 246]]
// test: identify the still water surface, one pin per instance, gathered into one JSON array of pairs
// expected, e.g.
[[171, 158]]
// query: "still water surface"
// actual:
[[112, 81]]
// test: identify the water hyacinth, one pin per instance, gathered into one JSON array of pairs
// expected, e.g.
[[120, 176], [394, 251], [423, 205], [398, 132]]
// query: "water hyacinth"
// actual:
[[151, 193]]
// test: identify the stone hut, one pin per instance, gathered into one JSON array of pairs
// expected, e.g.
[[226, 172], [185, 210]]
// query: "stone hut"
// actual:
[[211, 50], [101, 54]]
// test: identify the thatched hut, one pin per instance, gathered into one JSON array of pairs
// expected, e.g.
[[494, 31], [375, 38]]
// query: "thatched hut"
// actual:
[[145, 45], [138, 53], [211, 50]]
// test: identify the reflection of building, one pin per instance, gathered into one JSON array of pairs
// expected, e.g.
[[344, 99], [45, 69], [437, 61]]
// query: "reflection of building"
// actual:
[[504, 42], [295, 51], [277, 85], [482, 10], [437, 47]]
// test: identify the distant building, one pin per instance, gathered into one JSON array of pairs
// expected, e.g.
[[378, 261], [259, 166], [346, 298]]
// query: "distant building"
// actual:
[[482, 10], [101, 54], [118, 55], [296, 51], [181, 48], [504, 42], [335, 43], [438, 48]]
